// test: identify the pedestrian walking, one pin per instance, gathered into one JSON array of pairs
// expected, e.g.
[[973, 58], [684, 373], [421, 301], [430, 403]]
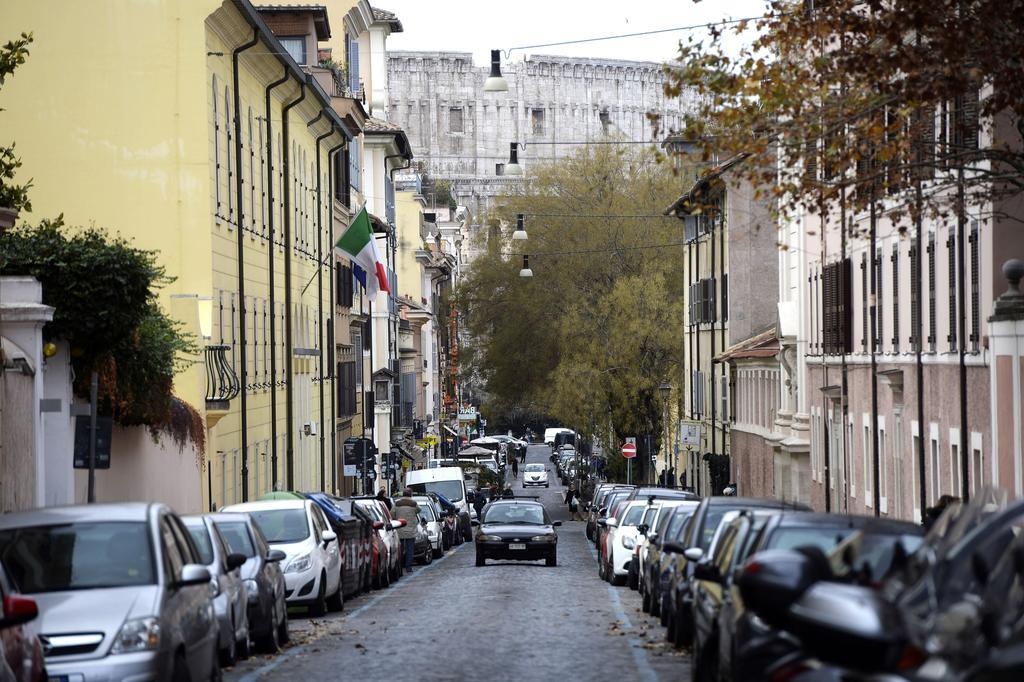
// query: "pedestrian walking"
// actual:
[[479, 501], [382, 496], [407, 510], [515, 468], [572, 499]]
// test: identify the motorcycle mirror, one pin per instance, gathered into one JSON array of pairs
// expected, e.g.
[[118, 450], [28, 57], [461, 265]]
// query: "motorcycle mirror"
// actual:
[[772, 580]]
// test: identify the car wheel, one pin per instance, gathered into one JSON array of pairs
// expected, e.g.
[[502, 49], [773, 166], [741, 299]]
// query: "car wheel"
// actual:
[[480, 559], [283, 636], [551, 560], [655, 605], [229, 654], [664, 615], [617, 580], [180, 673], [633, 581], [319, 605], [428, 557], [243, 648], [336, 602], [645, 601], [271, 641]]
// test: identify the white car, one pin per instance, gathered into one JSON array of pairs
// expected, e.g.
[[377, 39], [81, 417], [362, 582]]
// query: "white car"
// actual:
[[622, 537], [535, 474], [432, 524], [312, 565]]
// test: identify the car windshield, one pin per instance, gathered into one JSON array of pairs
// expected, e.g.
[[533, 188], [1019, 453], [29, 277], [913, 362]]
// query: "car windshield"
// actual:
[[201, 538], [711, 522], [529, 514], [533, 468], [78, 556], [282, 526], [634, 514], [675, 524], [237, 537], [451, 489]]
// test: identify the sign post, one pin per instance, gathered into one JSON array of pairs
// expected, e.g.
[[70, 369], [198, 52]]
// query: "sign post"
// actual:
[[629, 452]]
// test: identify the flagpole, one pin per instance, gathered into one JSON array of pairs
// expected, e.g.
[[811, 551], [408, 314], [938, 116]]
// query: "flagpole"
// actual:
[[322, 263]]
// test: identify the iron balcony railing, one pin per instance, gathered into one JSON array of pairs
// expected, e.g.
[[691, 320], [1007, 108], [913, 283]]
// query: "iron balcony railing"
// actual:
[[222, 383]]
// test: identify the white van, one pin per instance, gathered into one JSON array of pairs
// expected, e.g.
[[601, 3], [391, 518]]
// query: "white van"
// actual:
[[446, 481], [549, 434]]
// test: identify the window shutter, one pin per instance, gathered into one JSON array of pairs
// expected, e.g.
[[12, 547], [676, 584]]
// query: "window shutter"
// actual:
[[931, 293], [915, 293], [975, 287], [811, 159], [878, 307], [895, 263], [864, 301], [844, 305], [951, 252], [924, 143], [725, 297]]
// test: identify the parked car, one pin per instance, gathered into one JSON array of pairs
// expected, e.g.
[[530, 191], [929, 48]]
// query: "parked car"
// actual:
[[653, 570], [652, 516], [22, 652], [601, 490], [111, 580], [448, 482], [667, 547], [432, 525], [353, 533], [745, 645], [312, 569], [601, 536], [263, 578], [230, 601], [517, 529], [422, 548], [647, 493], [390, 561], [699, 533], [621, 541]]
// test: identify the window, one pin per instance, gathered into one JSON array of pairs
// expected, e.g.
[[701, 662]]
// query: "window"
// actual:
[[895, 264], [725, 297], [697, 394], [954, 464], [355, 168], [974, 238], [296, 47], [811, 159], [230, 164], [357, 351], [344, 286], [347, 388], [836, 308], [924, 143], [353, 63], [702, 302], [216, 149], [915, 295], [951, 252], [933, 497], [455, 121], [882, 487], [931, 293], [252, 179], [977, 463], [868, 460], [342, 188], [878, 307], [864, 312], [537, 121]]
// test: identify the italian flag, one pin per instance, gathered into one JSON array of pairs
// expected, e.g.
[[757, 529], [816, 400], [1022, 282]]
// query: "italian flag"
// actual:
[[358, 243]]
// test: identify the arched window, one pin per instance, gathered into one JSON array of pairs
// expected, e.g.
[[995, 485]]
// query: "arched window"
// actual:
[[230, 165], [216, 150]]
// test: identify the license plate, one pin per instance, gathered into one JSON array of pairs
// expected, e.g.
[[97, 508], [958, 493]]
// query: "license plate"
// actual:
[[513, 545]]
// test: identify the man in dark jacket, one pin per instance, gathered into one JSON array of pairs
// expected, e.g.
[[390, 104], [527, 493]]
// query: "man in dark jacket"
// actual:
[[407, 510], [384, 498]]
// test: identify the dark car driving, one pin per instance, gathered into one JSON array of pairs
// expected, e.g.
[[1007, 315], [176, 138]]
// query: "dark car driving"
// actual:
[[516, 529]]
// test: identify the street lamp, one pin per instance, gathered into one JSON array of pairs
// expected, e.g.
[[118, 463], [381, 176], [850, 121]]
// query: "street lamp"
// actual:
[[513, 167], [520, 234], [526, 271], [495, 82], [666, 390]]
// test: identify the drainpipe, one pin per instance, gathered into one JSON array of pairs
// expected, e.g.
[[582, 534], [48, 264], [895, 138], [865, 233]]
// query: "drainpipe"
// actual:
[[286, 201], [876, 469], [334, 339], [919, 360], [241, 264], [320, 298], [961, 222], [270, 269]]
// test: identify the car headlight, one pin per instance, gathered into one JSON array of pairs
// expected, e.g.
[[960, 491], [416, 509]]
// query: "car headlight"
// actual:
[[299, 564], [488, 538], [543, 538], [628, 542], [252, 590], [138, 634]]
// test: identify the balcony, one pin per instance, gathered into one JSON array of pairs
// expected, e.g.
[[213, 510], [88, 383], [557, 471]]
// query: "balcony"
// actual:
[[222, 383]]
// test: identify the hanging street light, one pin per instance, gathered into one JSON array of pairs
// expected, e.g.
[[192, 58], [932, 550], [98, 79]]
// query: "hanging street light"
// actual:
[[513, 167], [526, 271], [520, 234], [495, 82]]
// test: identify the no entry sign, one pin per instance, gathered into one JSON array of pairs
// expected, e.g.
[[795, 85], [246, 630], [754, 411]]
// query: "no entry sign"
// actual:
[[629, 450]]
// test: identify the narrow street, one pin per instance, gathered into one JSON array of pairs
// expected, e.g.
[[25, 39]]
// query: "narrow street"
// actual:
[[507, 620]]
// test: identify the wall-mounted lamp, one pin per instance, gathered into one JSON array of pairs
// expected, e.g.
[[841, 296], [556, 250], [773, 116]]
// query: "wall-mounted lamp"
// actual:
[[495, 82], [520, 234], [526, 271]]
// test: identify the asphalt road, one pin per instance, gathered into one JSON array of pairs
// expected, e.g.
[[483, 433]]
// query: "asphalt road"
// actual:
[[507, 620]]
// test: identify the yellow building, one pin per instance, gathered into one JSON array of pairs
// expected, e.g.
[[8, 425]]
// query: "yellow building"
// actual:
[[208, 143]]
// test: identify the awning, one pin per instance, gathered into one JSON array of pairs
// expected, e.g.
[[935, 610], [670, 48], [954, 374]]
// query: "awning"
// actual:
[[763, 345]]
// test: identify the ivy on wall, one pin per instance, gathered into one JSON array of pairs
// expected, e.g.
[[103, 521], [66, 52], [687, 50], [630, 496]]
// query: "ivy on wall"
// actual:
[[103, 291]]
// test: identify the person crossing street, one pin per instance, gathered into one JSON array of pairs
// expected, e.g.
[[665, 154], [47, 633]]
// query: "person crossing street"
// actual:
[[515, 468]]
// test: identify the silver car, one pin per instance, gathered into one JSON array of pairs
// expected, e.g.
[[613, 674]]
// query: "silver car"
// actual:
[[430, 518], [230, 601], [263, 577], [122, 592]]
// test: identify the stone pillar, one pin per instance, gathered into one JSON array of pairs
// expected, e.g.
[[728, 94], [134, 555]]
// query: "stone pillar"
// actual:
[[22, 316], [1006, 374]]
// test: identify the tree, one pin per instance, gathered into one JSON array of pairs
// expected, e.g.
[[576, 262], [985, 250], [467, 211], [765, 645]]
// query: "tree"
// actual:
[[15, 197], [588, 339], [855, 100]]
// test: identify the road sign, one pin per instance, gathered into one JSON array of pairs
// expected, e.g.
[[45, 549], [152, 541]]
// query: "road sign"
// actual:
[[629, 450], [690, 433]]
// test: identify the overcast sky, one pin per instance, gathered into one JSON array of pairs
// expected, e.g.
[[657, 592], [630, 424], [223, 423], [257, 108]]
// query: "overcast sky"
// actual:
[[479, 26]]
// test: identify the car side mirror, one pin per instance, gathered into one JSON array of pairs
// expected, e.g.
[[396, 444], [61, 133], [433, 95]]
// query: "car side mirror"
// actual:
[[602, 522], [706, 570], [234, 560], [329, 536], [693, 554], [378, 525], [672, 548], [276, 555], [192, 574], [557, 523], [612, 522], [18, 610]]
